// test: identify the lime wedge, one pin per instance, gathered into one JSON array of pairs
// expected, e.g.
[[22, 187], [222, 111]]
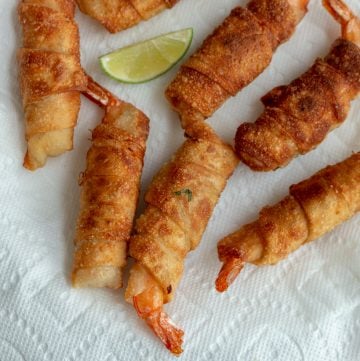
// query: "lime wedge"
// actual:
[[141, 62]]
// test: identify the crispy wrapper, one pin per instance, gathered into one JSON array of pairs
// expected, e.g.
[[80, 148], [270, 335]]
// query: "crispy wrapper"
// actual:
[[233, 55], [117, 15], [110, 191], [299, 116], [50, 77], [313, 208], [180, 201]]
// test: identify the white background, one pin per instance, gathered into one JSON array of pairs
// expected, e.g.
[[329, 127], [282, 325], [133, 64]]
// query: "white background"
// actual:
[[305, 308]]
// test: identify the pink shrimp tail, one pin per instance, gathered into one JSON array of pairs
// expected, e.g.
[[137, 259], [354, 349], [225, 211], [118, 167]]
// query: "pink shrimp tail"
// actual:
[[350, 24], [229, 271], [99, 95], [169, 334]]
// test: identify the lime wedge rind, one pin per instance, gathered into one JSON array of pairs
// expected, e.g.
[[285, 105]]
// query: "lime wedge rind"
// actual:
[[152, 57]]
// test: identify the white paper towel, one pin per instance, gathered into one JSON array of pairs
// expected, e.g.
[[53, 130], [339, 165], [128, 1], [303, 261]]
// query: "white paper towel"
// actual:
[[305, 308]]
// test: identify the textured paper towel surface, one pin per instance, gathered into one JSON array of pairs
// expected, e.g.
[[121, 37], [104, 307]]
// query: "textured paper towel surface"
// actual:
[[305, 308]]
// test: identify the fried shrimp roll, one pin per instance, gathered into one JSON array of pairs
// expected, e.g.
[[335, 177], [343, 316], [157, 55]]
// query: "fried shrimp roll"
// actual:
[[298, 117], [314, 207], [180, 201], [110, 191], [50, 77], [233, 55], [117, 15]]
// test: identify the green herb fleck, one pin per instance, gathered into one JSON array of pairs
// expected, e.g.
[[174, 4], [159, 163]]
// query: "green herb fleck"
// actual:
[[186, 192]]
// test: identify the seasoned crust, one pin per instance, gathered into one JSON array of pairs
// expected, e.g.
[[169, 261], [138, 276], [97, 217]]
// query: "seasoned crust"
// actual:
[[232, 56], [180, 201], [65, 7], [45, 73], [314, 207], [322, 89], [155, 223], [58, 111], [264, 145], [117, 15], [276, 15], [100, 253], [43, 28], [334, 189], [312, 105], [279, 239], [191, 89], [298, 116], [235, 53], [345, 57], [110, 190], [50, 77]]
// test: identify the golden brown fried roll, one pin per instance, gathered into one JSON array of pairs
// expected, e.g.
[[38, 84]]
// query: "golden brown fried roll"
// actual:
[[117, 15], [50, 77], [233, 55], [180, 201], [110, 191], [313, 208], [298, 117]]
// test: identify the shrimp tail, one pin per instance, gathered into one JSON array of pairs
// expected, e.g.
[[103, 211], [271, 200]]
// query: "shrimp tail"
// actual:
[[229, 271], [169, 334], [350, 24], [99, 95]]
